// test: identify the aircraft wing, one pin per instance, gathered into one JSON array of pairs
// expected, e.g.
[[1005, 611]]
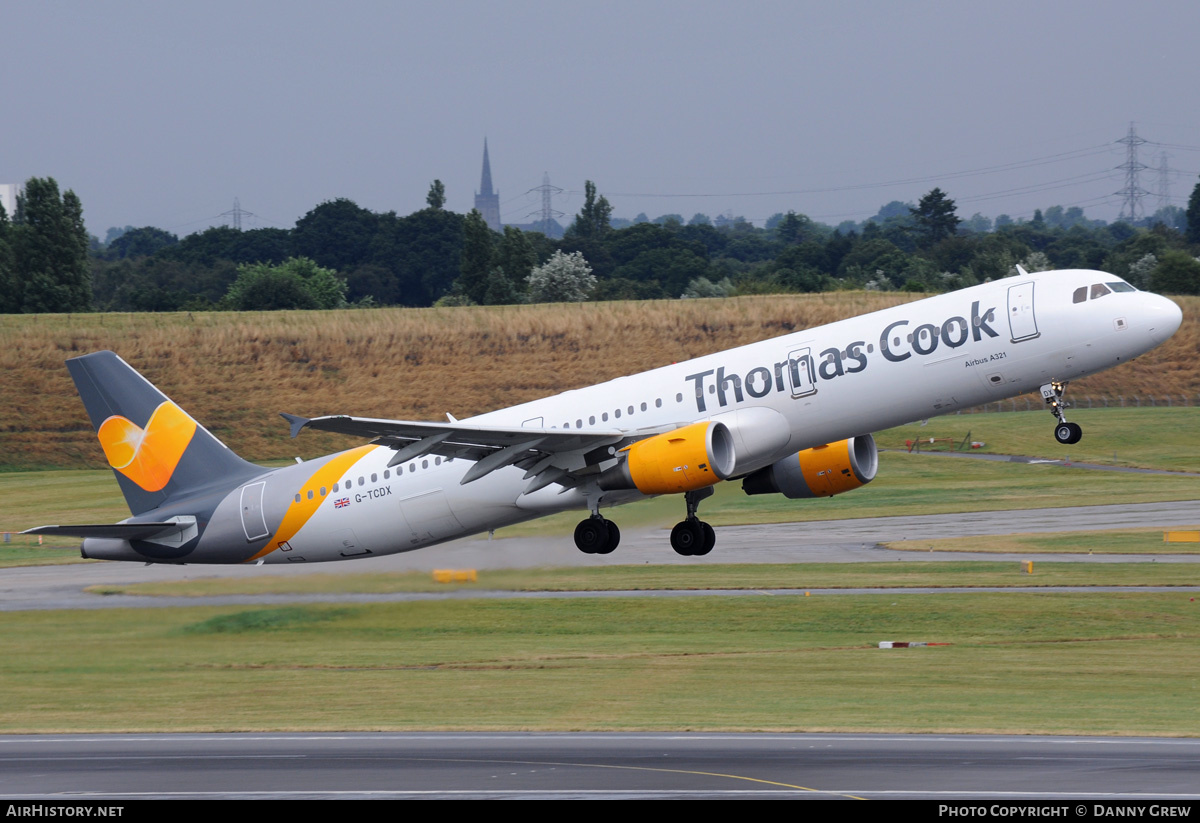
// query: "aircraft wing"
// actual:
[[548, 455]]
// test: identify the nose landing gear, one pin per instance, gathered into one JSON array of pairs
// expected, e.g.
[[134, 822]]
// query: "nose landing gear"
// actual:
[[1064, 432]]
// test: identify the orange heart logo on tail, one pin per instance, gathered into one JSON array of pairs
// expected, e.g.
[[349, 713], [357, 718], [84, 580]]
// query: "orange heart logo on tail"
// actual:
[[148, 456]]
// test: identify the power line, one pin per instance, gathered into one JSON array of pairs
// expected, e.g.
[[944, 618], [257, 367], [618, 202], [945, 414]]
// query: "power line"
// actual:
[[1021, 164], [1132, 193], [547, 212], [1164, 181], [236, 214]]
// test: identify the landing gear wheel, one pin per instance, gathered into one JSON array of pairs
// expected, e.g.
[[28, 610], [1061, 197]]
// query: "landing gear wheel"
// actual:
[[687, 538], [710, 540], [1068, 433], [1064, 432], [614, 538], [592, 536]]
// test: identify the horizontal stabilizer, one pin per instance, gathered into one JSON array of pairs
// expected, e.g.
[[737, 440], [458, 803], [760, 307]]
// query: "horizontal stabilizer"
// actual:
[[120, 531]]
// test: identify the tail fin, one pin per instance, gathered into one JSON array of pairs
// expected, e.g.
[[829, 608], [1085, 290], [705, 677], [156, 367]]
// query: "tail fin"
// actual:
[[157, 451]]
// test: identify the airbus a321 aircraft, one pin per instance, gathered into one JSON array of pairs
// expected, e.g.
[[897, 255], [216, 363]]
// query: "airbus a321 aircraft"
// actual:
[[790, 416]]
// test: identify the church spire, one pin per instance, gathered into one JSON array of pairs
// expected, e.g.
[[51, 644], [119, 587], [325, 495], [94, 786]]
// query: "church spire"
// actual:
[[487, 200], [485, 184]]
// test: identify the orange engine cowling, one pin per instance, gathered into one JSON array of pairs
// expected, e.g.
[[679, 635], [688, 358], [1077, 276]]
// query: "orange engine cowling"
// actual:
[[822, 471], [683, 460]]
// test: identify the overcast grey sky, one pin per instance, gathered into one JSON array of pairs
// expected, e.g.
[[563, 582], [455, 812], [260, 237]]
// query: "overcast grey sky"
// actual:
[[161, 113]]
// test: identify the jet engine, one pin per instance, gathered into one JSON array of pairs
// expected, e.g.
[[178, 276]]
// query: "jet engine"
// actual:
[[683, 460], [822, 471]]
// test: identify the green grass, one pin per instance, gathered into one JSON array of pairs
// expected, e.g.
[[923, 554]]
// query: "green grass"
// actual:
[[719, 576], [1130, 541], [1054, 663], [1151, 438]]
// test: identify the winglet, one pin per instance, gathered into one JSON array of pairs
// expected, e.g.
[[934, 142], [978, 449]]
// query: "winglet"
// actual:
[[295, 421]]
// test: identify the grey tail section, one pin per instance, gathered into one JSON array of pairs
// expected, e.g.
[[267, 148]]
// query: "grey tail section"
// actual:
[[110, 387]]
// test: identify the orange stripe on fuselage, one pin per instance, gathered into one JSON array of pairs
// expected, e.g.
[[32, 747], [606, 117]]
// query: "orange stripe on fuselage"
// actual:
[[299, 513]]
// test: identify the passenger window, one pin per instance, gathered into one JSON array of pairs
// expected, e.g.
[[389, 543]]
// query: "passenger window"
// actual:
[[374, 478], [592, 420], [658, 403], [604, 416], [1080, 295], [297, 497], [579, 424], [310, 494], [1099, 290], [617, 413], [322, 491]]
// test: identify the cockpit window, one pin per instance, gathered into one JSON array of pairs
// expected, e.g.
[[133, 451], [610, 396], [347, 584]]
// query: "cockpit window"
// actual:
[[1080, 295], [1099, 290], [1120, 285]]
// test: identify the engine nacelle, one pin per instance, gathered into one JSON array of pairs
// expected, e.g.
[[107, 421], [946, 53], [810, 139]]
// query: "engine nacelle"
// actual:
[[683, 460], [822, 471]]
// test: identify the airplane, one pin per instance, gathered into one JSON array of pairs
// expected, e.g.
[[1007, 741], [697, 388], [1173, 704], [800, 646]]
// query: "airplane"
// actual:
[[791, 415]]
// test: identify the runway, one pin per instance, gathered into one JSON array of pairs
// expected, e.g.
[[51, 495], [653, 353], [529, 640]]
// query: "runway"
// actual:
[[949, 768]]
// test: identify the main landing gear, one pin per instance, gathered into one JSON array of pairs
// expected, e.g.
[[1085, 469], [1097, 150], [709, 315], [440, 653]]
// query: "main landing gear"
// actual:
[[693, 537], [1064, 432], [597, 535]]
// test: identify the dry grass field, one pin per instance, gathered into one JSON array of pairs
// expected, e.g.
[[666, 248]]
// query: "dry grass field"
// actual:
[[233, 372]]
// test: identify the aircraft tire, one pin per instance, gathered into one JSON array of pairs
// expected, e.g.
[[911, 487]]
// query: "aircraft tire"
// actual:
[[1076, 432], [687, 537], [614, 539], [592, 535], [1063, 432], [710, 540]]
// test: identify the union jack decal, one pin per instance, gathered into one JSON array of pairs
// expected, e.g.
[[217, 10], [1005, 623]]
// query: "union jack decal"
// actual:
[[341, 504]]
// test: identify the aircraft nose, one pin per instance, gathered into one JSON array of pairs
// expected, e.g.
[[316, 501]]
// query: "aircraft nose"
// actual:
[[1164, 317]]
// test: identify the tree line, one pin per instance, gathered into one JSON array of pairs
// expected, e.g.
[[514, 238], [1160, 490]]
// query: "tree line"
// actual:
[[341, 254]]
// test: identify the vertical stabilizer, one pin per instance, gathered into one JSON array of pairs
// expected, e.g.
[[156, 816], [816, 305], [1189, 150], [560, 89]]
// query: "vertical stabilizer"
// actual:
[[157, 451]]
